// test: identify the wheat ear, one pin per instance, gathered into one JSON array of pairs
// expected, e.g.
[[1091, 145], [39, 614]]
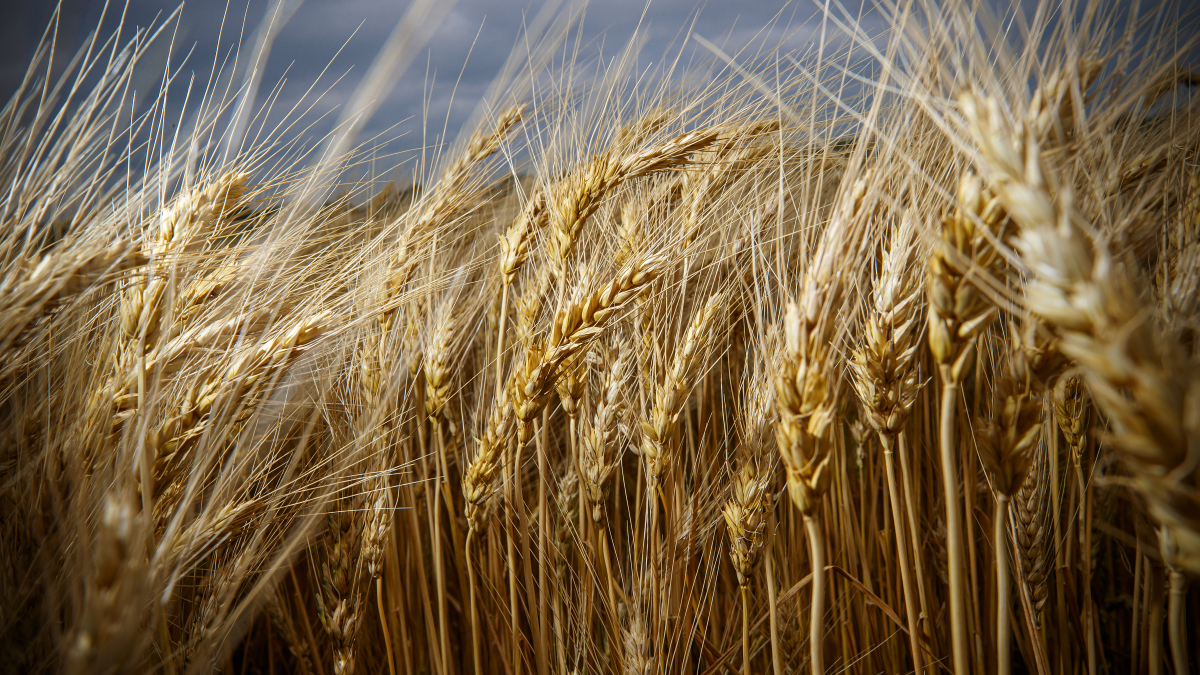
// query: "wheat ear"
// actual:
[[806, 408], [478, 485], [597, 454], [579, 195], [1177, 278], [574, 327], [340, 600], [235, 387], [30, 292], [1030, 524], [99, 634], [1006, 442], [279, 614], [182, 227], [1090, 301], [671, 394], [514, 251], [514, 243], [449, 197]]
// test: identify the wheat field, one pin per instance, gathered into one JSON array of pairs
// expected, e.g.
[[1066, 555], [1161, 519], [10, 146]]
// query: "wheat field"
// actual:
[[875, 357]]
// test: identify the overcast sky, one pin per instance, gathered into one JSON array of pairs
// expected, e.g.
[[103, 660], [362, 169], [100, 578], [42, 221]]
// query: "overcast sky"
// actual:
[[474, 40]]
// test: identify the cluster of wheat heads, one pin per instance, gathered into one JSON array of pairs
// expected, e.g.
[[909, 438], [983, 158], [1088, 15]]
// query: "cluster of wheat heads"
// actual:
[[765, 365]]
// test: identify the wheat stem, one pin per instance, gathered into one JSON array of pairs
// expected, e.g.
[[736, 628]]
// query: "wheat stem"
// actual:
[[308, 632], [773, 609], [1175, 621], [431, 494], [913, 533], [899, 534], [523, 530], [745, 631], [164, 640], [474, 612], [816, 550], [510, 553], [387, 633], [1086, 554], [1135, 627], [954, 544], [1156, 622], [541, 440], [1003, 589], [610, 573]]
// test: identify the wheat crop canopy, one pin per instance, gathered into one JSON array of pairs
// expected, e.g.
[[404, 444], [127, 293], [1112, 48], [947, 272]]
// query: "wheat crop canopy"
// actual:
[[855, 341]]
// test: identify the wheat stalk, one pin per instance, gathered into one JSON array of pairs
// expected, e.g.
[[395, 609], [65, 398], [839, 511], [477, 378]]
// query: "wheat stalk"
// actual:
[[959, 312], [886, 380], [744, 519], [806, 390]]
